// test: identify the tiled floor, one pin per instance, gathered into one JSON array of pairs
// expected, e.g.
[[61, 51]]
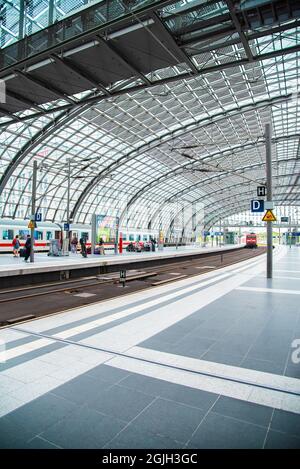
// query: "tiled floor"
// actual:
[[197, 364]]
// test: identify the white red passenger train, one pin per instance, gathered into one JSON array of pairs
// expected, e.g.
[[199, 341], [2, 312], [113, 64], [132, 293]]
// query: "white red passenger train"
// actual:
[[46, 231]]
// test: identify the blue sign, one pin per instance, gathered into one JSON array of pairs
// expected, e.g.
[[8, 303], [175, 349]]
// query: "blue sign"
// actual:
[[257, 206], [38, 216], [66, 227]]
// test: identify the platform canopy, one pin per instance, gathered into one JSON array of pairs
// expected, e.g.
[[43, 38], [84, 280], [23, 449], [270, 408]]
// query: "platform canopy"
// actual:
[[158, 105]]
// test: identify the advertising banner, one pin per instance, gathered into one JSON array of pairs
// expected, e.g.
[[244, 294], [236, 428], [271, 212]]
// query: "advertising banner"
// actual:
[[106, 228]]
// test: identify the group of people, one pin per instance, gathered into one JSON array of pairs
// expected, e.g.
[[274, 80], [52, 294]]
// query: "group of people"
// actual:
[[82, 242], [17, 245]]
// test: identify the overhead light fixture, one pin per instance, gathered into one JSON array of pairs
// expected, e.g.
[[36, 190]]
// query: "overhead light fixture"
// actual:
[[129, 29]]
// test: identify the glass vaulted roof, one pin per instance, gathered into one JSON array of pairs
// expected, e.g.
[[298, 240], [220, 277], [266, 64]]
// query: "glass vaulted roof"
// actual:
[[148, 154]]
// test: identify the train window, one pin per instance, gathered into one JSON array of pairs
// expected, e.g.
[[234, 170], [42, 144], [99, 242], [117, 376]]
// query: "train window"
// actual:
[[38, 235], [8, 234], [131, 237], [124, 237], [49, 235], [145, 237], [138, 237], [85, 235], [23, 234]]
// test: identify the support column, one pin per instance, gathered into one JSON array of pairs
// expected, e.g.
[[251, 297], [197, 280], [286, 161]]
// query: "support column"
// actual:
[[269, 199], [51, 12], [68, 203], [21, 19], [33, 202], [93, 234]]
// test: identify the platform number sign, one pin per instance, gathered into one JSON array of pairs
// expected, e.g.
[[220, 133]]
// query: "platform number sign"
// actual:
[[257, 205], [123, 277], [38, 216], [261, 191]]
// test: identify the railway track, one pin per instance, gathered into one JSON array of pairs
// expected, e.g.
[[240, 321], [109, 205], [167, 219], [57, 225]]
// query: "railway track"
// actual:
[[29, 302]]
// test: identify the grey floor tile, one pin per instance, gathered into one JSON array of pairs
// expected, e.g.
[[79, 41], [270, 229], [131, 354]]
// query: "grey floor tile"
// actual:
[[263, 365], [175, 392], [41, 413], [108, 373], [286, 422], [170, 419], [278, 440], [40, 443], [82, 390], [133, 437], [218, 431], [122, 403], [14, 435], [219, 357], [242, 410], [192, 346], [231, 347], [292, 370], [83, 429]]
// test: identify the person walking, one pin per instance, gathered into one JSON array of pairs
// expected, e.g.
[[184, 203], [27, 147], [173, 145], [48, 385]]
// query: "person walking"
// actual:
[[16, 246], [27, 248], [74, 243]]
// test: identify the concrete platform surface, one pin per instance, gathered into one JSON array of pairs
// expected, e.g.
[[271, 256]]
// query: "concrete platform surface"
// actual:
[[206, 362]]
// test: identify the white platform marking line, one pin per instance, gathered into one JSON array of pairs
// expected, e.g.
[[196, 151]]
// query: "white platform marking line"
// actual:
[[245, 392], [123, 314], [23, 349], [134, 331], [285, 270], [50, 379], [95, 309], [26, 348], [221, 370], [281, 277], [35, 345], [270, 290]]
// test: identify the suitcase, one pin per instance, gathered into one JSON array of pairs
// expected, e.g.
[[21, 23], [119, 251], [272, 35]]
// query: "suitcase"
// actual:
[[22, 252]]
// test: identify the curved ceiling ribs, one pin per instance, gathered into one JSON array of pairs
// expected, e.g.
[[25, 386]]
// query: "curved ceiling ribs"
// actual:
[[203, 122]]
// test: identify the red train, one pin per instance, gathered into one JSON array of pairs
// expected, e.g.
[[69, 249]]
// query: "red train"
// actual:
[[251, 240]]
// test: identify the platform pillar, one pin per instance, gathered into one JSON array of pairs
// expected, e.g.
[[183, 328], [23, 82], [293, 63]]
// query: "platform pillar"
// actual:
[[269, 199], [33, 203]]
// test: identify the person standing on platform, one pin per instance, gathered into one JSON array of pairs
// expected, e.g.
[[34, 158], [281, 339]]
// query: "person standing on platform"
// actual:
[[101, 246], [27, 248], [83, 247], [16, 245], [153, 242], [74, 243]]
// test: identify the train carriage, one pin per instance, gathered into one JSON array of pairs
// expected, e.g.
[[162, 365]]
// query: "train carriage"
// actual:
[[47, 231]]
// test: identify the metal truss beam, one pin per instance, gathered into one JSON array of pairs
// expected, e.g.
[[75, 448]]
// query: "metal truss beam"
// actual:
[[238, 27], [146, 85]]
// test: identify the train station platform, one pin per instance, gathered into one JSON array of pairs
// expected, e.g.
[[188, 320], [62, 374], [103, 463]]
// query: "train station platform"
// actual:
[[206, 362], [13, 270]]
